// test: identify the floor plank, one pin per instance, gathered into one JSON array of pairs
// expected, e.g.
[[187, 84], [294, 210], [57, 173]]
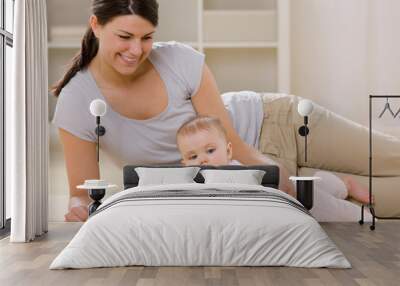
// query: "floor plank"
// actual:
[[374, 255]]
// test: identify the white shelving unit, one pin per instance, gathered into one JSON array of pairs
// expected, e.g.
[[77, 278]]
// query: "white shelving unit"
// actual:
[[236, 26], [246, 43]]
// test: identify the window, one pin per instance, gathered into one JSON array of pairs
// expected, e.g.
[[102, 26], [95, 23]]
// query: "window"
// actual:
[[6, 45]]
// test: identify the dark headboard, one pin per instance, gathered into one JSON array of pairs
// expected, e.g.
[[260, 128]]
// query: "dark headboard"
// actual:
[[270, 179]]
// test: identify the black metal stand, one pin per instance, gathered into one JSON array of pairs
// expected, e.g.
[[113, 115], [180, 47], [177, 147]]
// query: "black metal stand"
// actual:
[[96, 195], [100, 131], [303, 131], [305, 193], [370, 205]]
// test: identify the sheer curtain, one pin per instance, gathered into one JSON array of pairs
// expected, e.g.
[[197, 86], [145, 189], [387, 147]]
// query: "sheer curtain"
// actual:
[[26, 123]]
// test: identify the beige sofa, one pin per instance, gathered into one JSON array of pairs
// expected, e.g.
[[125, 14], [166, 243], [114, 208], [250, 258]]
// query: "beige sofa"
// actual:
[[335, 144]]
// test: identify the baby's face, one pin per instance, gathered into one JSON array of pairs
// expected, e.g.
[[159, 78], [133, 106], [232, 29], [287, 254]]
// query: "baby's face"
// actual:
[[205, 147]]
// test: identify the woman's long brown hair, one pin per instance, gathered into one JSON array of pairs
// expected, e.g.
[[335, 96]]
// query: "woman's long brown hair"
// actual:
[[105, 11]]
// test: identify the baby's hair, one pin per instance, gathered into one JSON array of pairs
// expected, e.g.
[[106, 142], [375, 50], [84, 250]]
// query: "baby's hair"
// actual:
[[200, 123]]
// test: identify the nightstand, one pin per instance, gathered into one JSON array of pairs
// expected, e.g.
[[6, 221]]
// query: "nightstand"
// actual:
[[97, 190], [305, 190]]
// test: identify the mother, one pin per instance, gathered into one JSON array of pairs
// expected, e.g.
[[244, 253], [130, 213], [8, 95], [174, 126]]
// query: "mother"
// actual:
[[151, 89]]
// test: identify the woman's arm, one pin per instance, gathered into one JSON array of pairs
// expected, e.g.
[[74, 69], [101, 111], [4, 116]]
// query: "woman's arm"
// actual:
[[81, 163], [208, 102]]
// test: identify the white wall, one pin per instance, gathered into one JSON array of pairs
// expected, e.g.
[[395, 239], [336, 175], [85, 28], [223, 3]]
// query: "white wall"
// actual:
[[384, 57], [344, 50]]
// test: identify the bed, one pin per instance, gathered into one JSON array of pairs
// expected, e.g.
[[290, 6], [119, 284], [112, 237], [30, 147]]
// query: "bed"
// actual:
[[202, 222]]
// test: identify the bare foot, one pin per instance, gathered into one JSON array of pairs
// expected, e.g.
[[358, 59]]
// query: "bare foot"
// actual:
[[357, 191]]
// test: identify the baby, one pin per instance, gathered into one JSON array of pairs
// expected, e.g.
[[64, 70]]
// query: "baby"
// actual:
[[203, 141]]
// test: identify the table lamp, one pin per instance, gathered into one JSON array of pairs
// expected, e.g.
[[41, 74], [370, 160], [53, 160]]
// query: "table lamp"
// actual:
[[305, 185], [98, 108], [97, 188]]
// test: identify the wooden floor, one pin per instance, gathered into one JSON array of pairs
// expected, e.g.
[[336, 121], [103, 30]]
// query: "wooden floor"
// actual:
[[374, 255]]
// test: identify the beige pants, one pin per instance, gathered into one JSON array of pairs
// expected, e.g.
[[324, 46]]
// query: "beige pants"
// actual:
[[334, 143]]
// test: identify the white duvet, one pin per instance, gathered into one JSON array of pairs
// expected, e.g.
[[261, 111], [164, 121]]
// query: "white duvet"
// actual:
[[182, 231]]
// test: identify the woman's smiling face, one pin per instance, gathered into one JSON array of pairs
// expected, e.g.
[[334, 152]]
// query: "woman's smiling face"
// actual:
[[125, 42]]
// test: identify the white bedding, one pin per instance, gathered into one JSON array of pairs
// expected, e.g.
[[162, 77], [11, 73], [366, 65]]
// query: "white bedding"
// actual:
[[190, 230]]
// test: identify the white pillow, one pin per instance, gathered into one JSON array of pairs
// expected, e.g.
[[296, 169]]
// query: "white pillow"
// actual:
[[163, 176], [248, 177]]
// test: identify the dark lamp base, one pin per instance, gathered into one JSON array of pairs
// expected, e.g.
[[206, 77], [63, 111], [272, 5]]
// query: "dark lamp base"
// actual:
[[96, 195], [305, 193]]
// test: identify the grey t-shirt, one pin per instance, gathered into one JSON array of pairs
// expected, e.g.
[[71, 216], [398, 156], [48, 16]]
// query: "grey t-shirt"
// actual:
[[130, 141]]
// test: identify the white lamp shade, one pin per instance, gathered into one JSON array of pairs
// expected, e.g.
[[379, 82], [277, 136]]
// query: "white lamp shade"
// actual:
[[305, 107], [98, 107]]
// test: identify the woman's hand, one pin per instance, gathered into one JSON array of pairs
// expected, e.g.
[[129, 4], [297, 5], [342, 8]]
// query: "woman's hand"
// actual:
[[77, 208], [285, 184]]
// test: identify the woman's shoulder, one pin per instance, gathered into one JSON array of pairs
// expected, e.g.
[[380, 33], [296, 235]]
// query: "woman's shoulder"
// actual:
[[81, 85], [174, 50], [170, 46], [181, 62], [72, 112]]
